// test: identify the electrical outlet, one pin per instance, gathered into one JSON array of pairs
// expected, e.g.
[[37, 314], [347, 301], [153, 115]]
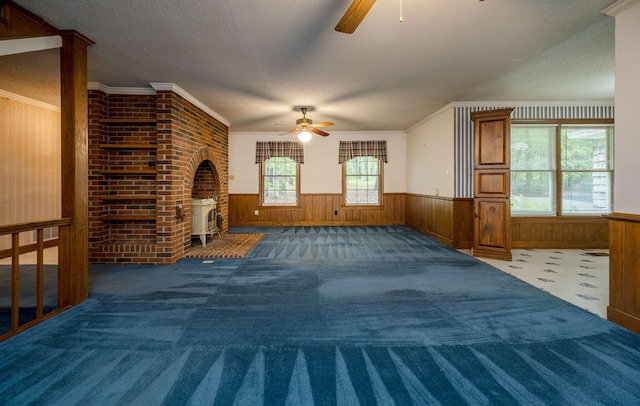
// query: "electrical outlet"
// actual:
[[255, 213], [335, 212]]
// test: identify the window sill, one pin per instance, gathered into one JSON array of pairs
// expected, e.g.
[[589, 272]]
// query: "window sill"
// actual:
[[363, 206], [280, 206]]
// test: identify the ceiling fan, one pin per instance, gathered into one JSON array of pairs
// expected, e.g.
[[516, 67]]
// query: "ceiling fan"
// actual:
[[305, 126], [354, 15]]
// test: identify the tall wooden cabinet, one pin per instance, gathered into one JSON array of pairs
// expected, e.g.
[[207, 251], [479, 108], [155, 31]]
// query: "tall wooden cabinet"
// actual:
[[492, 207]]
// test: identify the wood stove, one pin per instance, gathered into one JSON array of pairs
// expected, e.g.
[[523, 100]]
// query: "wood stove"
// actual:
[[204, 219]]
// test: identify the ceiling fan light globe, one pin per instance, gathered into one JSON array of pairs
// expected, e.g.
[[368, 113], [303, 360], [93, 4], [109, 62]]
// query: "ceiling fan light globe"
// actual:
[[304, 136]]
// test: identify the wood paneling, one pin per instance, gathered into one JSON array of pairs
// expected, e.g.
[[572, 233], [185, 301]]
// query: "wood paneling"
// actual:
[[624, 270], [72, 249], [29, 165], [315, 209], [17, 22], [446, 219], [559, 232]]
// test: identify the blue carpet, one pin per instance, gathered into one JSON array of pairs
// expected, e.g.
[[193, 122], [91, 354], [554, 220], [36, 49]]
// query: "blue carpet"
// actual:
[[324, 316]]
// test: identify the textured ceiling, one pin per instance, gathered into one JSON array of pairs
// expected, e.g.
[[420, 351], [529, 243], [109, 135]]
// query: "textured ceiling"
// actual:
[[253, 61]]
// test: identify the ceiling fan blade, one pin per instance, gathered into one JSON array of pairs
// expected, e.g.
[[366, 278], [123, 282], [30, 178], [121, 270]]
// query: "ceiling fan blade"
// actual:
[[289, 132], [319, 132], [354, 15], [322, 124]]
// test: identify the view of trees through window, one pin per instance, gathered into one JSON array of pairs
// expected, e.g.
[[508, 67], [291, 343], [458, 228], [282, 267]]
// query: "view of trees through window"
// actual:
[[362, 181], [279, 181], [561, 169]]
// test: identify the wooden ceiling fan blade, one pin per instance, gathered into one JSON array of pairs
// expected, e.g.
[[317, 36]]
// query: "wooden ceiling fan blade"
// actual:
[[322, 124], [289, 132], [354, 15], [319, 132]]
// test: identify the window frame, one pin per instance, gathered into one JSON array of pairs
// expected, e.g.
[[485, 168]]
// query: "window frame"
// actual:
[[262, 175], [380, 190], [558, 172]]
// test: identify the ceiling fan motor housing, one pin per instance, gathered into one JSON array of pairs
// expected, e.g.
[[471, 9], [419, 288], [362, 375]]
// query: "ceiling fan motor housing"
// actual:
[[304, 122]]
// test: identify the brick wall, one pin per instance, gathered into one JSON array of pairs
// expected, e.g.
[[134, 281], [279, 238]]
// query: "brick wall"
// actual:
[[205, 182], [132, 216]]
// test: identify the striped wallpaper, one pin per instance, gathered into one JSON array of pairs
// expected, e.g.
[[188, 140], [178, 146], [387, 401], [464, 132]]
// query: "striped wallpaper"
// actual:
[[463, 130]]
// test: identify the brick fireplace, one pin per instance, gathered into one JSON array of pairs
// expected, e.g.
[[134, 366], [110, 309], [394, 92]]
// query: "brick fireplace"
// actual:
[[149, 155]]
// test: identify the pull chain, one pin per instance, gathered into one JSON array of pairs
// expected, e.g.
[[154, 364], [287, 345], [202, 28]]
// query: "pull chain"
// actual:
[[400, 10]]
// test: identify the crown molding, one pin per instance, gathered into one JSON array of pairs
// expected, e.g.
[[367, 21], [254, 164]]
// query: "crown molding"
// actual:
[[533, 103], [23, 45], [336, 134], [145, 91], [499, 104], [180, 91], [29, 101], [156, 87], [618, 7]]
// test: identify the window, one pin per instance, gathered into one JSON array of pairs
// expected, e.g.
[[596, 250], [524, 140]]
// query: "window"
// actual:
[[561, 169], [362, 181], [279, 184], [533, 170], [587, 169], [362, 163], [279, 172]]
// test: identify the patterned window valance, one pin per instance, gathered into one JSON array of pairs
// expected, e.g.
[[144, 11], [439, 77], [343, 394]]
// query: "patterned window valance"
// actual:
[[271, 149], [352, 149]]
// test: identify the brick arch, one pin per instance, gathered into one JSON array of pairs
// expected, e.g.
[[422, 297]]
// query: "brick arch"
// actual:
[[201, 155]]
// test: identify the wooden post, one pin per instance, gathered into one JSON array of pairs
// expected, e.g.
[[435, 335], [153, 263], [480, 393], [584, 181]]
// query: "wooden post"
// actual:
[[74, 286]]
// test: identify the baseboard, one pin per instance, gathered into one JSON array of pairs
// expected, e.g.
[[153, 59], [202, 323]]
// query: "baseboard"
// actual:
[[623, 319], [313, 223]]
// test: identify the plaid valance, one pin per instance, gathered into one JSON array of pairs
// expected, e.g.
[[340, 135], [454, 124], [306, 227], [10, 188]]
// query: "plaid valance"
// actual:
[[287, 149], [352, 149]]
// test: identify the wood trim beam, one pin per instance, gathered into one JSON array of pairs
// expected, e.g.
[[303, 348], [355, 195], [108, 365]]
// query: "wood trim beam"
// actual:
[[74, 286], [17, 22]]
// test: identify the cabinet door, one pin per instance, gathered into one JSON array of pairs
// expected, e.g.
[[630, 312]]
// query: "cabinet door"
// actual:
[[492, 227], [492, 207]]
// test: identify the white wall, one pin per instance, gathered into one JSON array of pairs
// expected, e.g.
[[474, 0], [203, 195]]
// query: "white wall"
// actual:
[[627, 101], [430, 155], [321, 172]]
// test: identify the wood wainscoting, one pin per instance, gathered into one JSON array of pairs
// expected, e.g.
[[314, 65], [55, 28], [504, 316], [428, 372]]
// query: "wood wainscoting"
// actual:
[[624, 270], [559, 232], [448, 220], [315, 210]]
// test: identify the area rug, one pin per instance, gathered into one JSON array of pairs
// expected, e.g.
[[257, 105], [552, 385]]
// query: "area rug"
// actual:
[[226, 246]]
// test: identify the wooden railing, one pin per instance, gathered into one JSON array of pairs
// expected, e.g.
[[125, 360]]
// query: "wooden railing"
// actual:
[[63, 252]]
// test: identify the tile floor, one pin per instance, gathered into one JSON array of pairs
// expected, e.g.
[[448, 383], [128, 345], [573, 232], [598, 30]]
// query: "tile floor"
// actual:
[[578, 276]]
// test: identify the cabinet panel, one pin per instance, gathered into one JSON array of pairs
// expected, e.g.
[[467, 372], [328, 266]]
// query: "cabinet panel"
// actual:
[[491, 224], [491, 146], [490, 183]]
